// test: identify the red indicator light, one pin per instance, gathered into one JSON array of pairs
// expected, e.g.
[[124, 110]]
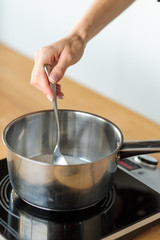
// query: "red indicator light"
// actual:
[[129, 165], [125, 165]]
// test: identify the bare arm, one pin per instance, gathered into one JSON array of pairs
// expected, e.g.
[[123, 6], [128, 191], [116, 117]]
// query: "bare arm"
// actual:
[[67, 51], [99, 15]]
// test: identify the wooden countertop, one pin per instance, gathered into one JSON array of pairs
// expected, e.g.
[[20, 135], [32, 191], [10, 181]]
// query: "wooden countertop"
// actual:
[[17, 97]]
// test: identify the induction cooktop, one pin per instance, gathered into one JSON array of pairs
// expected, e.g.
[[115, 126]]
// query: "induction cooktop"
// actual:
[[132, 206]]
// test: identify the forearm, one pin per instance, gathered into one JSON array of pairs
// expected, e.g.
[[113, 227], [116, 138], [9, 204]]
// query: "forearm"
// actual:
[[98, 16]]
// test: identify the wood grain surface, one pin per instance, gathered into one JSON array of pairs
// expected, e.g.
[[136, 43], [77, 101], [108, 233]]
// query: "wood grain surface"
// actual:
[[17, 97]]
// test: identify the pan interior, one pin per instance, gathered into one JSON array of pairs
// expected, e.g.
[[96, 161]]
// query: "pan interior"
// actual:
[[84, 137]]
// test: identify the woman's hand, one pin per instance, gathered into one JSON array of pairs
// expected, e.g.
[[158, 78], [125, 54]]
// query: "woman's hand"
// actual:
[[66, 52], [58, 56]]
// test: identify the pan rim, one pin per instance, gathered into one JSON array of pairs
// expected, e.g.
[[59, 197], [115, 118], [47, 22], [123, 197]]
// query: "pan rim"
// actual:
[[6, 129]]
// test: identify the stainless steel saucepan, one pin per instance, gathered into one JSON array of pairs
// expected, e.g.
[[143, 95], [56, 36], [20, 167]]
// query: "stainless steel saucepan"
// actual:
[[92, 146]]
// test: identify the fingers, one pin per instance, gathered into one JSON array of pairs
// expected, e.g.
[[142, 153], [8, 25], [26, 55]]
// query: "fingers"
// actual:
[[60, 68], [43, 84], [40, 81], [59, 93], [59, 56], [47, 56]]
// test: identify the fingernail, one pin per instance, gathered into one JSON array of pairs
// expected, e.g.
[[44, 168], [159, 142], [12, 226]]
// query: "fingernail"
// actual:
[[53, 78], [60, 97], [49, 98]]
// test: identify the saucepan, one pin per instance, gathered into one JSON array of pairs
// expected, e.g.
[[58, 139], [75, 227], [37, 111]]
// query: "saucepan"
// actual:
[[92, 146]]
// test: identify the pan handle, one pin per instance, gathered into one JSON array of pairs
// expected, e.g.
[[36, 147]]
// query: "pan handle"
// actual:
[[133, 148]]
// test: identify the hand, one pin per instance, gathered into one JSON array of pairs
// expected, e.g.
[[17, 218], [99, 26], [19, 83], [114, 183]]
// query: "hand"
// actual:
[[59, 56]]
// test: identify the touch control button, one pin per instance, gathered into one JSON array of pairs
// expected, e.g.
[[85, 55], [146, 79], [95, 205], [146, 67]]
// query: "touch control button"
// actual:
[[146, 160]]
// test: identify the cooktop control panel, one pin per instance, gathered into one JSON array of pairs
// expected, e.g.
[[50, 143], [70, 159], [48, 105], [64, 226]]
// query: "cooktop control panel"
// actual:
[[143, 168]]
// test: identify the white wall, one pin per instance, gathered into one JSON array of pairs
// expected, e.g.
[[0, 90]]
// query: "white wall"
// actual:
[[122, 62]]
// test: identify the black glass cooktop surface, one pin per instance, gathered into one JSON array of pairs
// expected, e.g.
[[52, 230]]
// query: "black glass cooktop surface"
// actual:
[[130, 208]]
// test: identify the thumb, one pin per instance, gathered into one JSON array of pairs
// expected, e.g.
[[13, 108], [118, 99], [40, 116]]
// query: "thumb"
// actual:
[[58, 70]]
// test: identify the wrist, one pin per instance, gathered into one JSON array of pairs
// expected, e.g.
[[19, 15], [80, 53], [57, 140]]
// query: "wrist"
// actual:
[[80, 32]]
